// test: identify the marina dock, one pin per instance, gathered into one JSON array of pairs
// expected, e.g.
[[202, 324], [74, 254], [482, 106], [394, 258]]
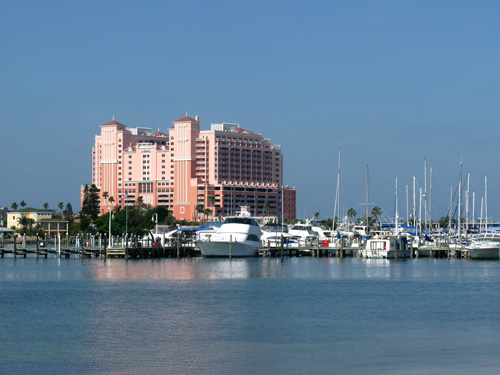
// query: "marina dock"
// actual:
[[185, 247]]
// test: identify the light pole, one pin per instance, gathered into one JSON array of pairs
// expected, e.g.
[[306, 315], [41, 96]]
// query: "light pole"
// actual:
[[110, 214], [126, 219]]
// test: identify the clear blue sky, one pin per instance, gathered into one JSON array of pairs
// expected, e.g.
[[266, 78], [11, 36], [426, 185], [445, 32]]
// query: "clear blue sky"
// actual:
[[388, 82]]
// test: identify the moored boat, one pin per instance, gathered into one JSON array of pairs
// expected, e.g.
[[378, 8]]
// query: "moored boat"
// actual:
[[238, 236], [386, 247], [485, 246]]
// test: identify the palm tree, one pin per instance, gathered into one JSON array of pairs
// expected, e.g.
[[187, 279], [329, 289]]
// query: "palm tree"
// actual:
[[60, 205], [211, 199], [376, 212], [111, 199], [200, 208], [351, 213], [14, 206], [105, 195], [27, 225], [22, 204], [46, 205], [207, 212]]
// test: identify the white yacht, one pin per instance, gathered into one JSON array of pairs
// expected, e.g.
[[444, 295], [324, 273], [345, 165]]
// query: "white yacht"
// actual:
[[385, 247], [485, 246], [238, 236]]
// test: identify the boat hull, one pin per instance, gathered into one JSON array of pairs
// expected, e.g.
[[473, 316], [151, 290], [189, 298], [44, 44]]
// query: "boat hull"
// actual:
[[488, 253], [381, 254], [224, 249]]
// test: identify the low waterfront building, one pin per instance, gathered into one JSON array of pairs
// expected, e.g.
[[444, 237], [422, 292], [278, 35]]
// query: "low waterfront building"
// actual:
[[187, 169], [50, 225]]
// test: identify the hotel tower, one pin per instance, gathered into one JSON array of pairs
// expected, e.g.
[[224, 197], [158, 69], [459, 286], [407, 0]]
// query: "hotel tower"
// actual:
[[222, 169]]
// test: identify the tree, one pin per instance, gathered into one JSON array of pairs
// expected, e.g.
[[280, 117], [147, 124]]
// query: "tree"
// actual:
[[200, 208], [22, 204], [211, 199], [207, 212], [316, 216], [268, 209], [28, 226], [90, 207], [445, 221], [328, 222], [111, 199], [105, 194], [69, 208], [351, 213], [68, 214], [60, 205], [376, 212], [14, 206], [46, 205]]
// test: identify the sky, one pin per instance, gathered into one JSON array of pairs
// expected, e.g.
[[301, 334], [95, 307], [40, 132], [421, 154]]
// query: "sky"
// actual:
[[389, 83]]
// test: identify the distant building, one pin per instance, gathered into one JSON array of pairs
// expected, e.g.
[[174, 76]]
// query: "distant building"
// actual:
[[51, 226], [220, 169]]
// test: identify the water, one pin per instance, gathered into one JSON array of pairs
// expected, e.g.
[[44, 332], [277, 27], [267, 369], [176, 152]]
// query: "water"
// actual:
[[249, 316]]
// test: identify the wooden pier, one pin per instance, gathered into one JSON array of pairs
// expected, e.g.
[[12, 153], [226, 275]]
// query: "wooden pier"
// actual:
[[183, 248]]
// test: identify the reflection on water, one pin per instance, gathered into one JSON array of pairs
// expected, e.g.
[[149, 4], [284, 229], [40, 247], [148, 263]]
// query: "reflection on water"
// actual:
[[241, 268], [249, 316]]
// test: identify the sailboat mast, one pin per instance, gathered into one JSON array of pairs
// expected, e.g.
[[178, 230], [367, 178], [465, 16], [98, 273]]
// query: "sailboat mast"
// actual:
[[366, 203], [396, 209], [460, 204], [486, 202], [425, 190], [336, 209], [473, 208], [414, 204], [467, 203], [430, 198], [482, 219], [451, 208], [420, 212]]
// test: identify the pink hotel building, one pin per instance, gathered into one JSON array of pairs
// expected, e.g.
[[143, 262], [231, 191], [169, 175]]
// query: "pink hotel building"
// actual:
[[222, 168]]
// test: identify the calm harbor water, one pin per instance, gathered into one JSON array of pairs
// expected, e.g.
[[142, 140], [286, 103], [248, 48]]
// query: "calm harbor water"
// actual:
[[249, 316]]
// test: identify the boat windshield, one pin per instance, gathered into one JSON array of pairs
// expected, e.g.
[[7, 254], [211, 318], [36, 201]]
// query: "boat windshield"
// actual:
[[301, 227], [488, 239], [240, 220]]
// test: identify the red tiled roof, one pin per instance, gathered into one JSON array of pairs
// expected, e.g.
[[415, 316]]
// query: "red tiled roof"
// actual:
[[241, 130], [114, 123], [160, 134], [185, 119]]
